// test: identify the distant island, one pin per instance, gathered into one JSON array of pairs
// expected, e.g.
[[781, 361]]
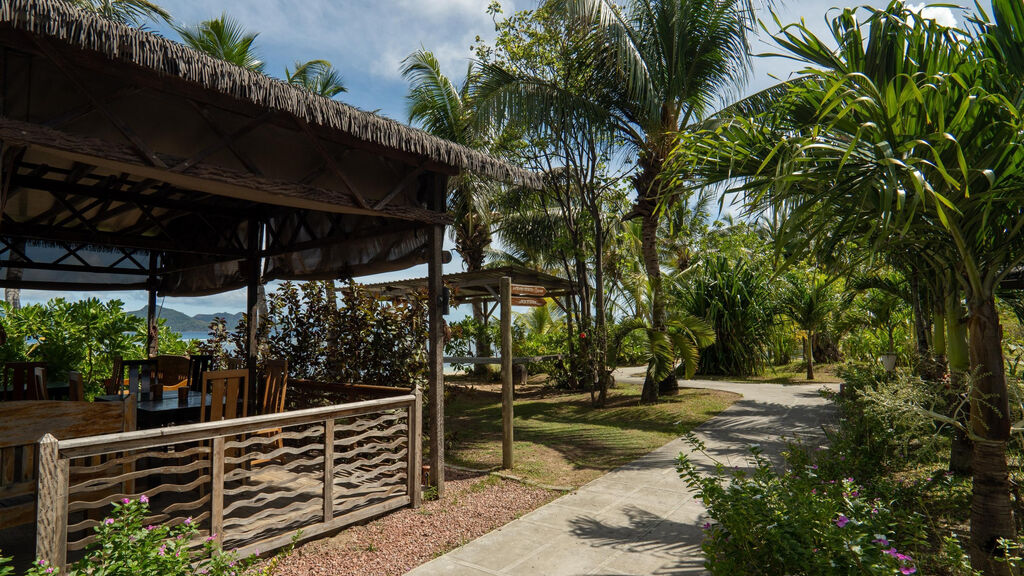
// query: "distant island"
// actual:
[[181, 322]]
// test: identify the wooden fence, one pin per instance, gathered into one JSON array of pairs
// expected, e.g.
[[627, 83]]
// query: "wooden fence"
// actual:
[[249, 482]]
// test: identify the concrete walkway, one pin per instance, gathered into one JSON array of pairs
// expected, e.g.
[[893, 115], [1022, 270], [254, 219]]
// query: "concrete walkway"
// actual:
[[640, 518]]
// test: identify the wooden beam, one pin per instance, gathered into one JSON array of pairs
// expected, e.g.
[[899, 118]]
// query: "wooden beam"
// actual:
[[54, 56], [226, 140], [402, 185], [115, 240], [435, 344], [331, 162], [52, 504], [506, 373], [215, 180], [415, 449], [152, 333], [253, 271]]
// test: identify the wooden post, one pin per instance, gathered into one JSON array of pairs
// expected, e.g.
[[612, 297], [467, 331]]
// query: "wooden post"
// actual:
[[217, 488], [506, 372], [435, 346], [152, 332], [52, 505], [328, 493], [415, 451], [252, 277]]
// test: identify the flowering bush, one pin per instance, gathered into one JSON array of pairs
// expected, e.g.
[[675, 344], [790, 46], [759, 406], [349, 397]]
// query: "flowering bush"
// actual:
[[127, 546], [796, 522]]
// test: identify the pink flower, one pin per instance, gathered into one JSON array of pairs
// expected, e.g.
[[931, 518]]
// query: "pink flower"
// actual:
[[125, 500], [150, 527], [842, 521], [143, 499], [211, 538], [891, 552], [908, 570], [188, 521], [108, 521]]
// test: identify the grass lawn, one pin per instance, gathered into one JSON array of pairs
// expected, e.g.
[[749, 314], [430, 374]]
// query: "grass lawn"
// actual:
[[560, 439], [792, 373]]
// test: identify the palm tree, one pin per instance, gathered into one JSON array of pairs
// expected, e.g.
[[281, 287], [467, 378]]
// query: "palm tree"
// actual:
[[809, 302], [442, 109], [669, 61], [127, 12], [909, 136], [682, 342], [224, 38], [316, 76]]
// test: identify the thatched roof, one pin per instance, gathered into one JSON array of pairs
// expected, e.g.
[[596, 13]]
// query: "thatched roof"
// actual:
[[84, 30]]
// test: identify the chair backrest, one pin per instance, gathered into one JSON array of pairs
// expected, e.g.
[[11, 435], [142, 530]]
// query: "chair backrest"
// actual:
[[197, 364], [19, 381], [277, 385], [76, 387], [116, 382], [141, 376], [234, 363], [174, 370], [39, 382], [225, 388]]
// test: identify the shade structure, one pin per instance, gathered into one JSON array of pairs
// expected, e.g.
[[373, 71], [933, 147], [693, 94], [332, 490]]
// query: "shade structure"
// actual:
[[130, 161], [478, 286]]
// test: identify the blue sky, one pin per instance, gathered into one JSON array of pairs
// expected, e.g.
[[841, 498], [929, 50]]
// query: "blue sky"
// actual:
[[367, 40]]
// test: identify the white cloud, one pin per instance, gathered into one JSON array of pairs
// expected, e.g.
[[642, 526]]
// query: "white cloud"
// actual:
[[942, 15]]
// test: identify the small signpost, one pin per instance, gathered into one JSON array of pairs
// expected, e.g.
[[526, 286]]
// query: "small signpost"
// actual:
[[528, 301], [528, 290]]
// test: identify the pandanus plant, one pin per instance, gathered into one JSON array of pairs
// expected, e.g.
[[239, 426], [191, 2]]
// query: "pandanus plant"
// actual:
[[909, 133]]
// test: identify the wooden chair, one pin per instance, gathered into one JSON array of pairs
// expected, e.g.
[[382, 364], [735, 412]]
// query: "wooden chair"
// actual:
[[115, 384], [276, 386], [273, 398], [234, 363], [173, 371], [76, 387], [141, 375], [197, 364], [225, 387], [20, 381]]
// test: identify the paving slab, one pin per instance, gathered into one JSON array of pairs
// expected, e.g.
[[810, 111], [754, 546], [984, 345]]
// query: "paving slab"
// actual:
[[641, 518]]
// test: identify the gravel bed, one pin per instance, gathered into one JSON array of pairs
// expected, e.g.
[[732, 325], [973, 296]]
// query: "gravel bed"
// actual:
[[398, 542]]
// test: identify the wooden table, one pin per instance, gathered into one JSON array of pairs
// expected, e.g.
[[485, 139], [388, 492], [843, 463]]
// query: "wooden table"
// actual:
[[167, 410], [23, 423]]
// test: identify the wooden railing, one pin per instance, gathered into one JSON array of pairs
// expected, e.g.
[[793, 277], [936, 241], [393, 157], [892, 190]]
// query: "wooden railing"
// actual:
[[250, 482]]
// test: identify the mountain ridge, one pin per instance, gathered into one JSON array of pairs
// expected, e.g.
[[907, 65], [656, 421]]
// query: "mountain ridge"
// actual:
[[181, 322]]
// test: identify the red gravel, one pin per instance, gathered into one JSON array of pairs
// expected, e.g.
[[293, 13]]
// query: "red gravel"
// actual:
[[402, 540]]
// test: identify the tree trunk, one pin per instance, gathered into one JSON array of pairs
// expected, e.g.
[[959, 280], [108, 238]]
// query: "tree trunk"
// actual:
[[809, 354], [600, 324], [991, 506], [649, 248], [482, 341], [920, 317], [958, 357], [13, 295]]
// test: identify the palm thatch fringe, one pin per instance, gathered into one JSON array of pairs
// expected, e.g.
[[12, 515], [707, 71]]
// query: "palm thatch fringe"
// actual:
[[62, 21]]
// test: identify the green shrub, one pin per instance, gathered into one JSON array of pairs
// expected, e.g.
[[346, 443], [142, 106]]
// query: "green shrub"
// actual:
[[735, 298], [798, 522], [126, 545]]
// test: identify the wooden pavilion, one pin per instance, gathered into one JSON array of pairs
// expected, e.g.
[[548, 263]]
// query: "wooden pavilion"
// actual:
[[131, 162], [502, 287]]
